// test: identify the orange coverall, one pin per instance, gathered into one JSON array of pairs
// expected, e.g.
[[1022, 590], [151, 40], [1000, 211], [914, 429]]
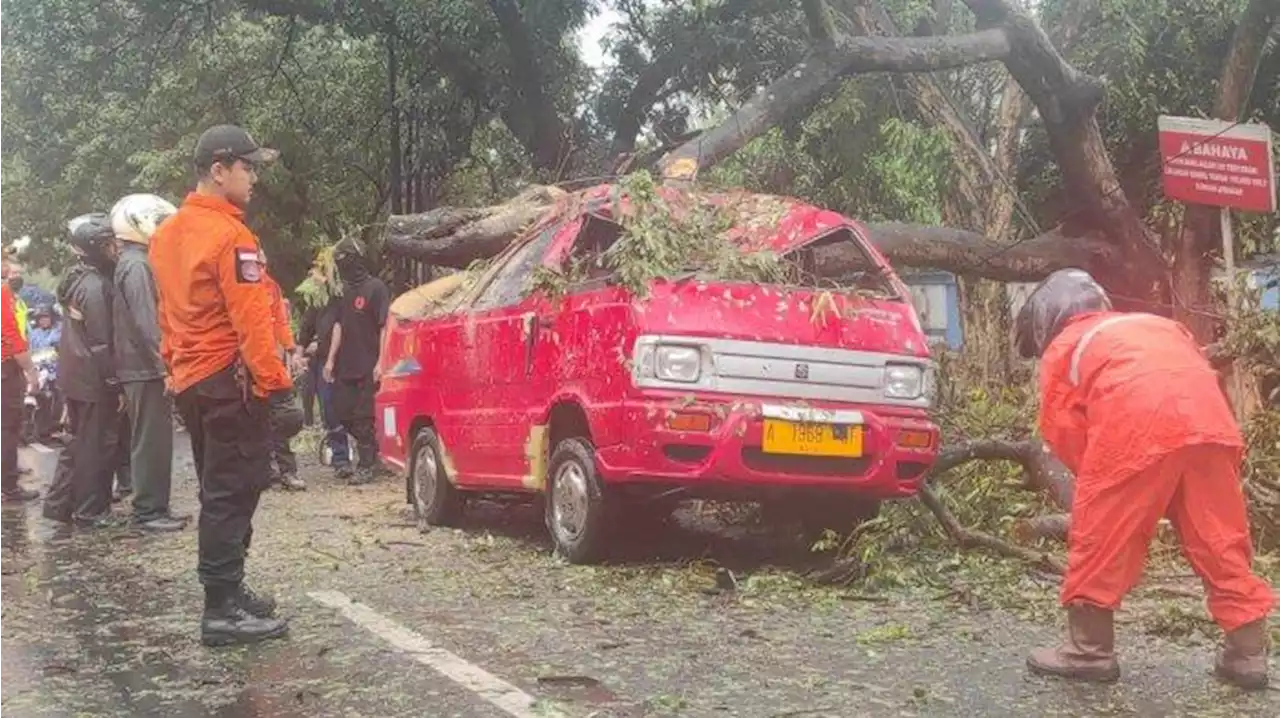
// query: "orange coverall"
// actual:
[[1131, 405], [213, 307]]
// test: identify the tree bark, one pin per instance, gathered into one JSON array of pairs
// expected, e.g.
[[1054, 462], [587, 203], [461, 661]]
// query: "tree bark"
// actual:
[[454, 237], [1041, 472], [655, 77], [1200, 238], [801, 86], [545, 133], [1067, 100], [397, 179]]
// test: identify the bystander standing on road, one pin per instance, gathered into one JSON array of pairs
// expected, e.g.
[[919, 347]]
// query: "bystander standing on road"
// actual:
[[354, 357], [225, 371], [141, 370], [285, 471], [19, 377], [315, 334], [81, 487]]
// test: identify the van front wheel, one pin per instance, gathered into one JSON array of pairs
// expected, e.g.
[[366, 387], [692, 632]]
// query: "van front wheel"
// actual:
[[576, 502]]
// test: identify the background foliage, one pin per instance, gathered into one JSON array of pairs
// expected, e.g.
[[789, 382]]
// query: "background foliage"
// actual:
[[388, 104]]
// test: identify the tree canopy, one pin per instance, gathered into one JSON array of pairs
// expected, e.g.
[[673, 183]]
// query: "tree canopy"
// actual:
[[388, 107]]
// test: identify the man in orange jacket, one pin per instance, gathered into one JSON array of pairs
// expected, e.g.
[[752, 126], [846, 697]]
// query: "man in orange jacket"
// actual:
[[225, 370], [1131, 405]]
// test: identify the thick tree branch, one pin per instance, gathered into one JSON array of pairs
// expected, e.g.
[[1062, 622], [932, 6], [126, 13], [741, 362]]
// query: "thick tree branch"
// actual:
[[666, 66], [455, 237], [968, 253], [818, 17], [546, 133], [1041, 472], [1067, 100], [807, 81]]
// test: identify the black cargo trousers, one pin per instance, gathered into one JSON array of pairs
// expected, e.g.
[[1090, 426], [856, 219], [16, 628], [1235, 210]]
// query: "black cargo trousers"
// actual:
[[230, 443], [353, 403], [12, 398]]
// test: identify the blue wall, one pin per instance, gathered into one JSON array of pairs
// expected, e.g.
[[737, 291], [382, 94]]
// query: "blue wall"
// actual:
[[942, 324]]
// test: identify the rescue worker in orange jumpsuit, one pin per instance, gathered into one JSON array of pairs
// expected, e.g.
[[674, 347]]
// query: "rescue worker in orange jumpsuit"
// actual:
[[286, 464], [1131, 405], [225, 371]]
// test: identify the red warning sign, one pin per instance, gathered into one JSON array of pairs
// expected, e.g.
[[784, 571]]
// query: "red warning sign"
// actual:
[[1218, 163]]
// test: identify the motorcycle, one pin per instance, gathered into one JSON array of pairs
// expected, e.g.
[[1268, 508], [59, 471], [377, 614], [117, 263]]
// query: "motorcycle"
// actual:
[[43, 409]]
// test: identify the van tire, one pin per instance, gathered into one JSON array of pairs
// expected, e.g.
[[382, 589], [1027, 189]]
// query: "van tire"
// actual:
[[436, 501], [576, 503]]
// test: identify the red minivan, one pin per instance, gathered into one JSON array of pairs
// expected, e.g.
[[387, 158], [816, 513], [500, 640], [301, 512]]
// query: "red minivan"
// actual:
[[611, 402]]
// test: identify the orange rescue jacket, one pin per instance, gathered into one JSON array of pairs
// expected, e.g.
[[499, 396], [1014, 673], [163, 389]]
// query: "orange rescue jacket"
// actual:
[[214, 306], [279, 315], [1119, 392], [12, 342]]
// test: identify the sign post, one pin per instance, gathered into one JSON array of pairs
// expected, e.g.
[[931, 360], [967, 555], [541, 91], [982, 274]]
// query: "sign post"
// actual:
[[1229, 165]]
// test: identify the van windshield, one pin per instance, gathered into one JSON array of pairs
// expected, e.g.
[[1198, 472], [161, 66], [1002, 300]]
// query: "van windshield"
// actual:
[[835, 261]]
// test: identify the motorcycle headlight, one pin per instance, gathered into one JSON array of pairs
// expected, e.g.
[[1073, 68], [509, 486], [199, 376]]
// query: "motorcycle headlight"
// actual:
[[904, 381], [677, 363]]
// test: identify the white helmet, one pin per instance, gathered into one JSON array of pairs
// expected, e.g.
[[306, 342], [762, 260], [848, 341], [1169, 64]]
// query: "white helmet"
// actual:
[[135, 218]]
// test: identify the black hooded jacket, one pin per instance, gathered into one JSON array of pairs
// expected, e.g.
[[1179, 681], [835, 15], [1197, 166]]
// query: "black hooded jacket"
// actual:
[[86, 368]]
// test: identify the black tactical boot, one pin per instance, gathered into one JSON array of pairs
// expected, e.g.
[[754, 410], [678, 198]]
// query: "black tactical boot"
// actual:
[[225, 623], [259, 604]]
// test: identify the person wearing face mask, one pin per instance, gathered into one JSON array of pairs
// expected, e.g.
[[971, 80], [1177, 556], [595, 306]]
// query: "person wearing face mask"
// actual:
[[81, 486], [354, 352], [230, 384], [146, 462]]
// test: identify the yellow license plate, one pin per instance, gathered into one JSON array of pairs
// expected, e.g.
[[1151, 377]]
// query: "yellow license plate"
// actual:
[[791, 437]]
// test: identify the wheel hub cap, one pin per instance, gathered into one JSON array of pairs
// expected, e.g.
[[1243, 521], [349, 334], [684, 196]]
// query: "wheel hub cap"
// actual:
[[569, 501], [424, 476]]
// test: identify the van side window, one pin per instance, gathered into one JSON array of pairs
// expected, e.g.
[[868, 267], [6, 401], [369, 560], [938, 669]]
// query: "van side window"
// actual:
[[512, 282], [587, 257]]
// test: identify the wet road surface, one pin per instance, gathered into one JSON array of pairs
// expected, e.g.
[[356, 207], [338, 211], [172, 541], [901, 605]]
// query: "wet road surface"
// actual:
[[483, 622]]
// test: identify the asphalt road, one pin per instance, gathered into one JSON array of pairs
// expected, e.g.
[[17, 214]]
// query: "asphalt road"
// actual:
[[482, 621]]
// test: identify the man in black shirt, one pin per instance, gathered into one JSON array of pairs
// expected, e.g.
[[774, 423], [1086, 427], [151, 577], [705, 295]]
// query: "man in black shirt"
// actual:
[[315, 336], [352, 362]]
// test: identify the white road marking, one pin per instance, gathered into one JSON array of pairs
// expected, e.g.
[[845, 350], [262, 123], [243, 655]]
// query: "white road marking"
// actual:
[[506, 697]]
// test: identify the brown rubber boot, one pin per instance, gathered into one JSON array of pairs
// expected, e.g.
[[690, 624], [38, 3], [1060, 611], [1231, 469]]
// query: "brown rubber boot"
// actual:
[[1089, 651], [1243, 660]]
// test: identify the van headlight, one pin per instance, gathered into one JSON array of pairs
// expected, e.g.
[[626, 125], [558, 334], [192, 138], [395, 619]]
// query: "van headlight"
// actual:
[[673, 362], [904, 381]]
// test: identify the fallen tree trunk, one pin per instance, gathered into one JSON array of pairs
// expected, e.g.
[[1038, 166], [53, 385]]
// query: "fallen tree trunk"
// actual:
[[456, 237]]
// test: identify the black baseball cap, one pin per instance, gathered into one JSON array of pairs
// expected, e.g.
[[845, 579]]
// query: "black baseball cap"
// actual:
[[228, 142]]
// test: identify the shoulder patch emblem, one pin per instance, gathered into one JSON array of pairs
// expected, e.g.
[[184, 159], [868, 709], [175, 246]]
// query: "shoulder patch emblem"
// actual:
[[248, 265]]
